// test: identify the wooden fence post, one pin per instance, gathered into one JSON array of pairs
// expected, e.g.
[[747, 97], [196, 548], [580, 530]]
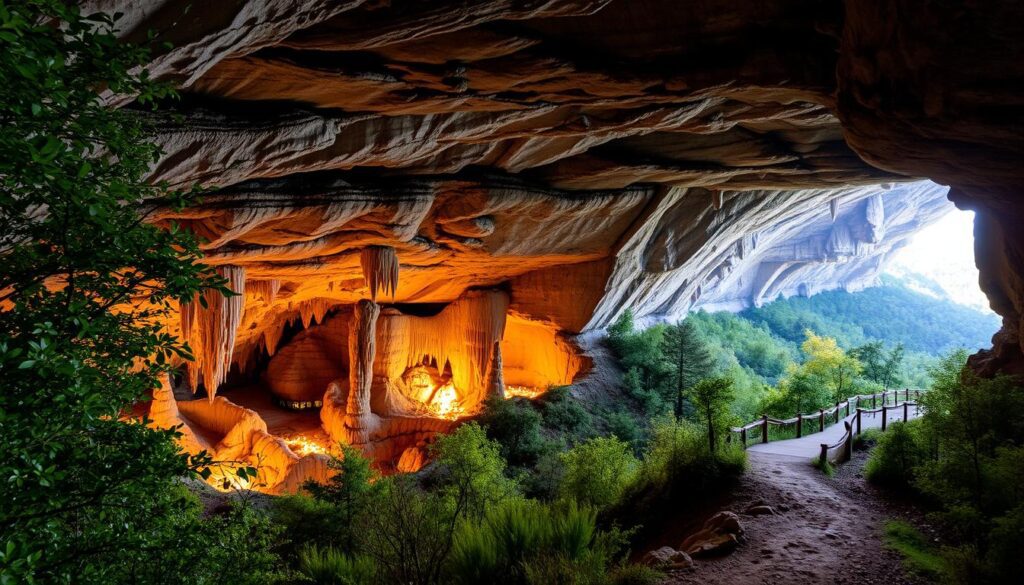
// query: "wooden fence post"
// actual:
[[874, 401], [848, 447], [764, 428], [904, 412], [743, 437], [824, 455], [839, 414], [799, 424], [821, 419], [859, 411], [883, 418]]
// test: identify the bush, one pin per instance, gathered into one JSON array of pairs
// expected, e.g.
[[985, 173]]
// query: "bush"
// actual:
[[598, 471], [899, 451], [624, 426], [471, 470], [515, 425], [677, 470], [306, 521], [525, 542], [408, 531], [564, 413], [329, 566], [635, 575]]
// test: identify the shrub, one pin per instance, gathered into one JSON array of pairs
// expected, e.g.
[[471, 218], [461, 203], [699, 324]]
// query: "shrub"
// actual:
[[545, 479], [635, 575], [598, 471], [523, 542], [624, 426], [408, 531], [515, 425], [677, 470], [899, 450], [471, 470], [564, 413], [306, 521], [329, 566]]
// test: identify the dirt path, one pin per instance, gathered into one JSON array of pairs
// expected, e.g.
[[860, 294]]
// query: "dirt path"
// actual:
[[827, 530]]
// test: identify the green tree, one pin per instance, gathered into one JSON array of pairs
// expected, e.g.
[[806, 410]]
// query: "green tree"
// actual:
[[826, 360], [871, 355], [712, 397], [473, 472], [798, 392], [348, 491], [597, 471], [688, 358], [892, 367], [85, 288]]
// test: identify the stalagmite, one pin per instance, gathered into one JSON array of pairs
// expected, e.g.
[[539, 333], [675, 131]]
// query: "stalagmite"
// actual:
[[362, 346], [380, 269], [211, 330], [495, 373]]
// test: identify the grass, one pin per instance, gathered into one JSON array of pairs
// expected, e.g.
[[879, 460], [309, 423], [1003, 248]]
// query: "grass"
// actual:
[[825, 467], [918, 555], [866, 438]]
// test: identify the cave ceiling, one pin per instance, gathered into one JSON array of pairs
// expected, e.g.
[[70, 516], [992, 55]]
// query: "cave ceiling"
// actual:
[[588, 155]]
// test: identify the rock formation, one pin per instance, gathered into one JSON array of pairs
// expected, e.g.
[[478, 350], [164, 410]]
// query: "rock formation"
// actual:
[[579, 156]]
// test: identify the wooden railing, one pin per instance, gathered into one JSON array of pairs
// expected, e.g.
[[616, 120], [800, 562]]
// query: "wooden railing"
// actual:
[[827, 416]]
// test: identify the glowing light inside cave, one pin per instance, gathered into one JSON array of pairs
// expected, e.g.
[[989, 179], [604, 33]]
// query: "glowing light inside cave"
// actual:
[[446, 403], [224, 478], [303, 446], [522, 392]]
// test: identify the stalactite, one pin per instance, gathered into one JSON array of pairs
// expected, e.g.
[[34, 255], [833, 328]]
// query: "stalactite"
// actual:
[[306, 313], [272, 335], [717, 199], [380, 269], [362, 346], [833, 208], [265, 289], [211, 330], [463, 335]]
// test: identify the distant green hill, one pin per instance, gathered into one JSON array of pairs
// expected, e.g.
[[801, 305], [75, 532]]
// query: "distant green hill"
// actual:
[[757, 344], [891, 313]]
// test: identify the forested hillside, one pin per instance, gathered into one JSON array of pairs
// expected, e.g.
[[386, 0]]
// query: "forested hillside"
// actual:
[[759, 348], [891, 313]]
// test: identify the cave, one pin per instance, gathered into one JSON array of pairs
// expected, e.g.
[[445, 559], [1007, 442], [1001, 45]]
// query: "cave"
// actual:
[[422, 205]]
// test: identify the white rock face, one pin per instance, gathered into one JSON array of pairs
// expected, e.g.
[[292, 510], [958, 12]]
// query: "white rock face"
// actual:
[[761, 245]]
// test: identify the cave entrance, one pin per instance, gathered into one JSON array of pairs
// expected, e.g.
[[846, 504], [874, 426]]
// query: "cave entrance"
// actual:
[[939, 261]]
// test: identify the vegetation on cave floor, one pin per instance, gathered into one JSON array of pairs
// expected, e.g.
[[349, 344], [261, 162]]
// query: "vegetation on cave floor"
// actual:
[[963, 460]]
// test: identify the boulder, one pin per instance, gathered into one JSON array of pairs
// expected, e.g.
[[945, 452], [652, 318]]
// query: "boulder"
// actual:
[[721, 534], [760, 510], [667, 557]]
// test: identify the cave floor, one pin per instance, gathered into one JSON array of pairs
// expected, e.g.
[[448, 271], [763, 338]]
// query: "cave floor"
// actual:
[[281, 422], [825, 530]]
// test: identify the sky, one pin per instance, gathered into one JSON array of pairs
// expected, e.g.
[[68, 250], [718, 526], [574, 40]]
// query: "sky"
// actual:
[[944, 252]]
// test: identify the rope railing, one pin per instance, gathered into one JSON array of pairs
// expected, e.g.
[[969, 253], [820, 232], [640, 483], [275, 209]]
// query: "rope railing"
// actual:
[[828, 416]]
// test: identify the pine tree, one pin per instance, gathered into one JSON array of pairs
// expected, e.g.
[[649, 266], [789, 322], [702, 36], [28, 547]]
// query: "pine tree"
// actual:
[[688, 357]]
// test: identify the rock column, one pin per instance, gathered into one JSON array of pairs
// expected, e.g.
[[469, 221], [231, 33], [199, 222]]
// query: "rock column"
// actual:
[[362, 346]]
